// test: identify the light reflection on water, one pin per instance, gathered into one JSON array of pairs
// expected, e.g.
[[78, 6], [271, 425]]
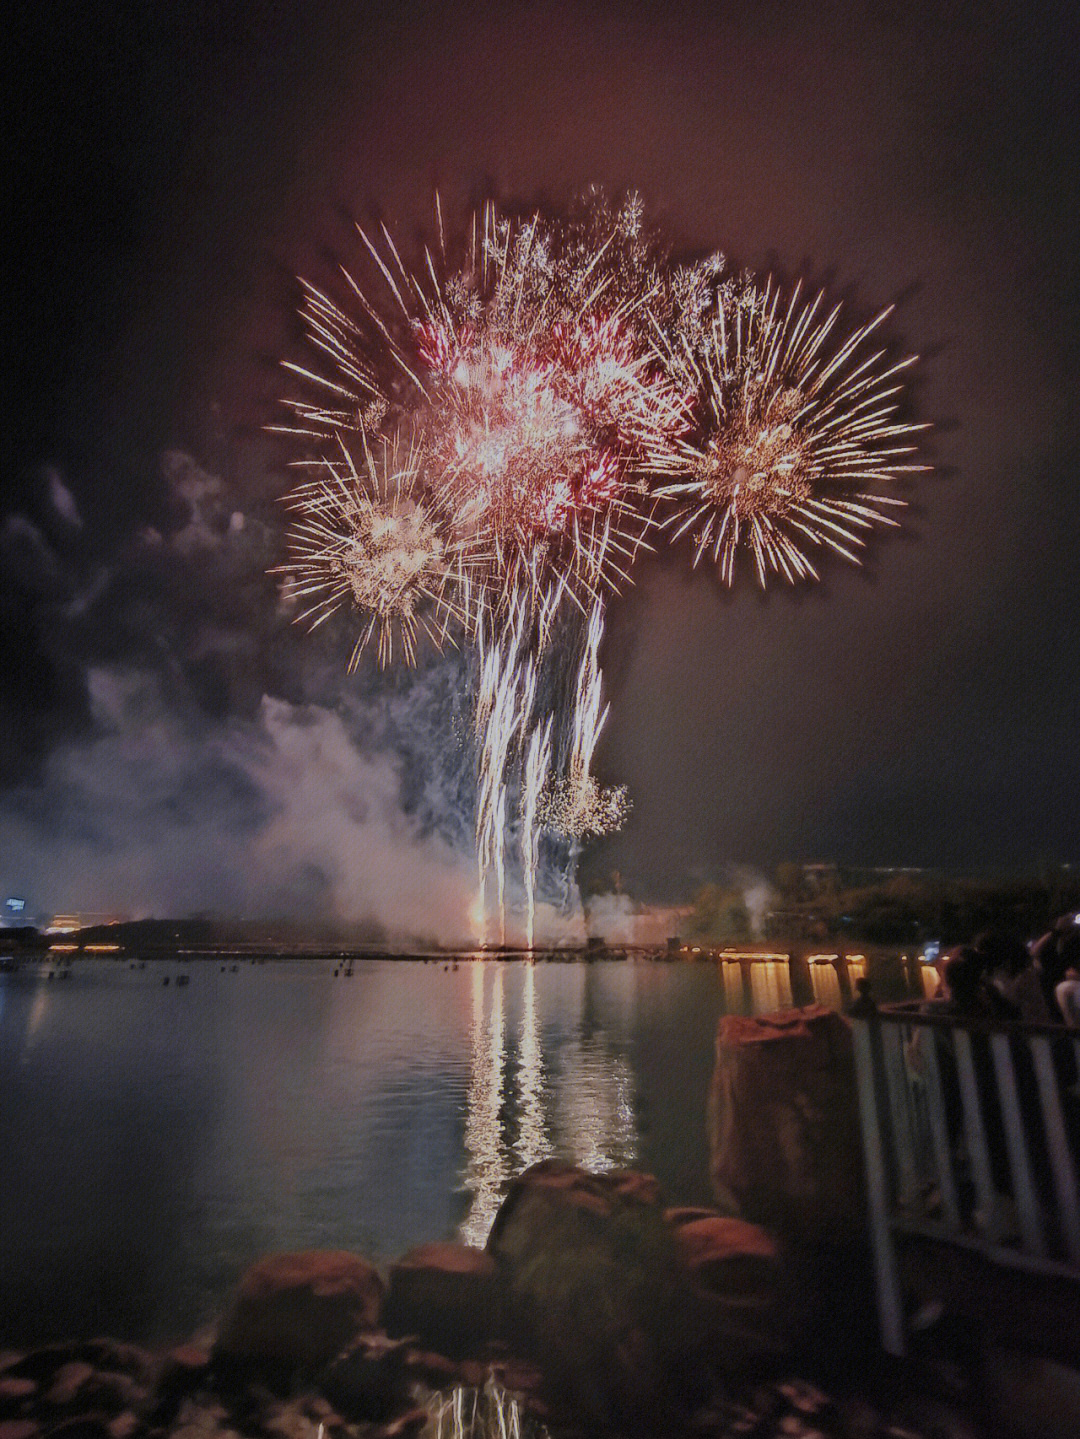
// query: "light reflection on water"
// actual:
[[825, 981], [770, 986], [583, 1110], [156, 1139]]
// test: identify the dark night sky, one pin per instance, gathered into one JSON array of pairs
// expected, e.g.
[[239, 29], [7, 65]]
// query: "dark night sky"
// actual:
[[178, 164]]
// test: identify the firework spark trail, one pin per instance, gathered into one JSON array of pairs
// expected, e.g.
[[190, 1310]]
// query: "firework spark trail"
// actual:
[[588, 716], [791, 425], [573, 804], [506, 692], [537, 766]]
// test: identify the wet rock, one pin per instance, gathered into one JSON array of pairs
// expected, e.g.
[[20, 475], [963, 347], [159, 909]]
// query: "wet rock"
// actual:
[[122, 1358], [184, 1368], [1034, 1398], [14, 1391], [41, 1364], [70, 1365], [124, 1425], [287, 1421], [595, 1289], [729, 1258], [203, 1421], [297, 1311], [370, 1381], [633, 1184], [67, 1382], [921, 1417], [435, 1370], [448, 1295], [783, 1123], [517, 1376], [19, 1428], [686, 1214], [82, 1426], [112, 1392], [405, 1426]]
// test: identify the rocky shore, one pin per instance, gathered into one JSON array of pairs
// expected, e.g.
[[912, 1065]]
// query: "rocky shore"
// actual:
[[593, 1310]]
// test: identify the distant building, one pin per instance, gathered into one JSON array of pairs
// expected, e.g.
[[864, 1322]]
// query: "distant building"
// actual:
[[882, 873], [69, 923], [820, 878], [788, 924]]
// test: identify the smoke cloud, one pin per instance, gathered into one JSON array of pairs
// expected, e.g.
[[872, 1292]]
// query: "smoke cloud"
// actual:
[[163, 814], [225, 763]]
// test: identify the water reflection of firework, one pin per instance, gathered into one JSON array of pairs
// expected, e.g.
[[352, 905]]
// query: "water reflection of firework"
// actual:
[[533, 1143], [596, 1113], [487, 1170], [581, 1108]]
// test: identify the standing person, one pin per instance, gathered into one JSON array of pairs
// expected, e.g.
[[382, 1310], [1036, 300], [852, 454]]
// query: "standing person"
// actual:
[[1053, 954], [1067, 994], [1012, 974]]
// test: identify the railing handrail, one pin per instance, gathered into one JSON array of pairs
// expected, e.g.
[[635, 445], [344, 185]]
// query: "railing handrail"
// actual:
[[922, 1012], [941, 1166]]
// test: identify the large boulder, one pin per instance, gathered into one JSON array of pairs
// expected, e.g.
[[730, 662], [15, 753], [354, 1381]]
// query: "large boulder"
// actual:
[[595, 1291], [783, 1123], [727, 1258], [295, 1312], [735, 1283], [447, 1295], [370, 1381]]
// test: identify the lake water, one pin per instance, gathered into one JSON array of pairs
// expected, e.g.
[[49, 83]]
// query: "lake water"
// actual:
[[154, 1139]]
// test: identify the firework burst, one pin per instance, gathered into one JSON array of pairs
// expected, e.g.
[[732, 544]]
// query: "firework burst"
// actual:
[[525, 362], [577, 807], [790, 425], [368, 536], [568, 392]]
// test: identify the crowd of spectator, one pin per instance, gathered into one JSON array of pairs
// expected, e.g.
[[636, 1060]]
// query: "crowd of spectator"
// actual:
[[998, 976]]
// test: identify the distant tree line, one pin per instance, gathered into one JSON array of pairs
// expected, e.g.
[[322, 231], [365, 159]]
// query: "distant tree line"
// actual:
[[904, 908]]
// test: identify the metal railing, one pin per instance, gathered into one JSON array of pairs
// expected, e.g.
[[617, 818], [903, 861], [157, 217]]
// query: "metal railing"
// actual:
[[971, 1135]]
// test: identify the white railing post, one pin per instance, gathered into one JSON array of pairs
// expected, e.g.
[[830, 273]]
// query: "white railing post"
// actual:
[[975, 1135], [1058, 1144], [900, 1106], [939, 1131], [1027, 1206], [890, 1306]]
